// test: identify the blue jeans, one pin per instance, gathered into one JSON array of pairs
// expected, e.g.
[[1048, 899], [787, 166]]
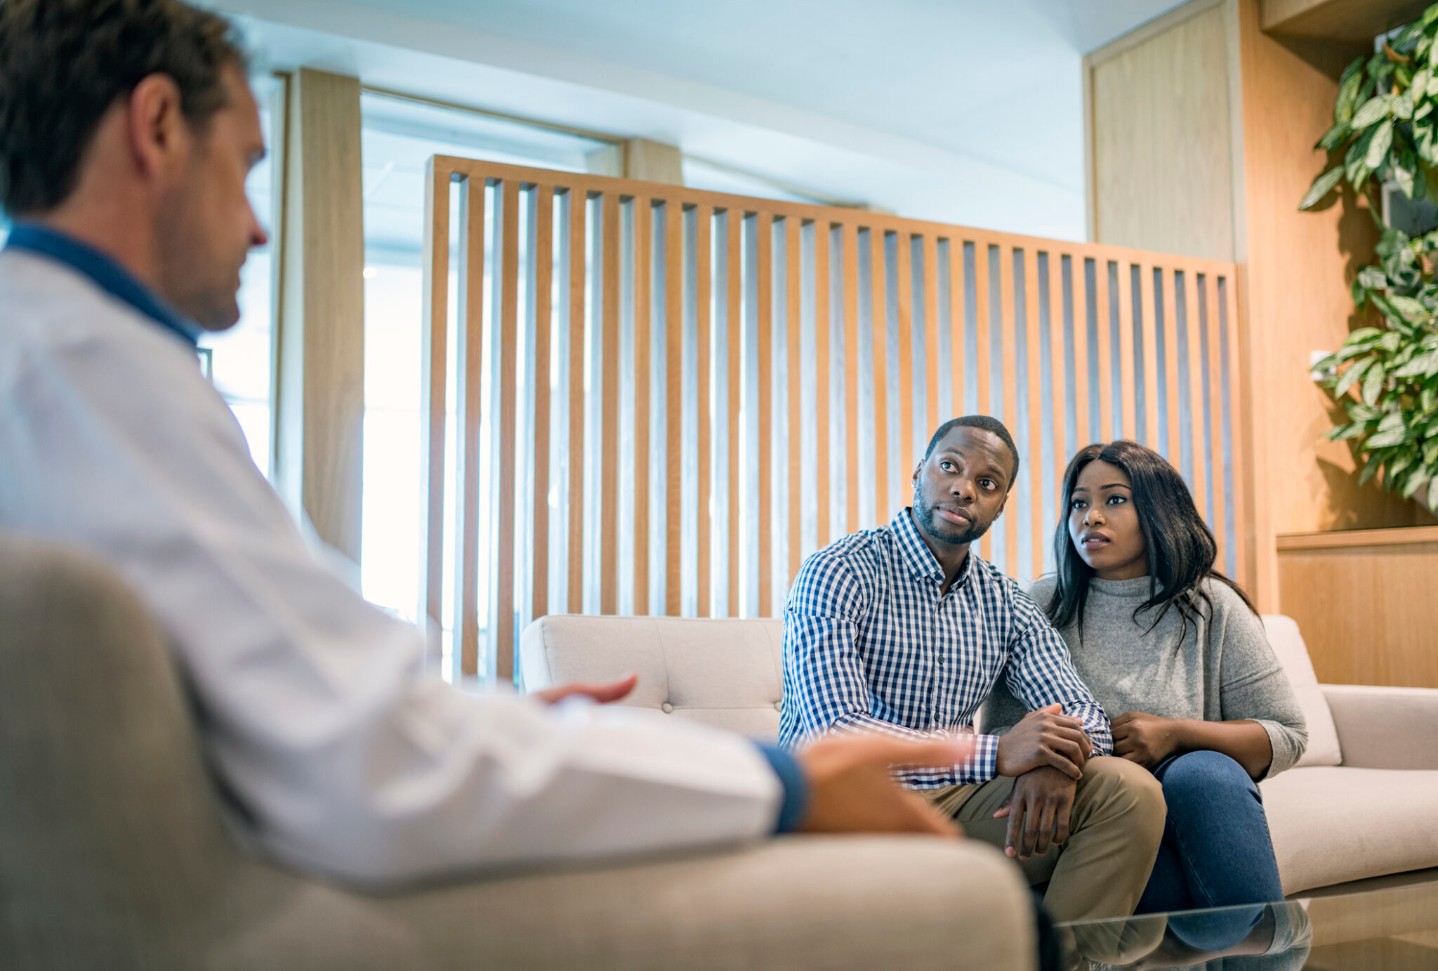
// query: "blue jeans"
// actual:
[[1216, 851]]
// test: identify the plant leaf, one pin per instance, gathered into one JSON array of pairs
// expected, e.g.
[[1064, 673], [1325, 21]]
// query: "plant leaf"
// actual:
[[1379, 146], [1374, 110], [1348, 86], [1321, 187], [1384, 439], [1369, 469], [1350, 377], [1432, 500], [1422, 365], [1372, 384]]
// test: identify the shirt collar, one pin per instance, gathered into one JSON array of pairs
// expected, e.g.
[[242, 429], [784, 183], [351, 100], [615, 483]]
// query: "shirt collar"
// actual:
[[917, 555], [104, 272]]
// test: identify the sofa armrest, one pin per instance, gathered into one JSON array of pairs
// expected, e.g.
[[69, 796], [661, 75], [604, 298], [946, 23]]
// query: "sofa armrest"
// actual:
[[1385, 727]]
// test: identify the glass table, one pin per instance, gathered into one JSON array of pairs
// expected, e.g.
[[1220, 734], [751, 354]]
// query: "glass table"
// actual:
[[1379, 930]]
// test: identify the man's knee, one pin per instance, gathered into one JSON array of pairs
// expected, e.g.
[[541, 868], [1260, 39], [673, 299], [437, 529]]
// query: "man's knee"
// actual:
[[1118, 787]]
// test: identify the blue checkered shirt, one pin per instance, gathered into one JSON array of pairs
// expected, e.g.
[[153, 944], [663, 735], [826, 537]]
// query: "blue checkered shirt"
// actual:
[[871, 644]]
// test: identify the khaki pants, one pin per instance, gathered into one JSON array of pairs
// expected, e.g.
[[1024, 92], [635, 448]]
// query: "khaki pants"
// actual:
[[1114, 832]]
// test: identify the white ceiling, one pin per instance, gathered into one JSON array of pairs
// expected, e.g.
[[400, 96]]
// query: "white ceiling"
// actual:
[[964, 111]]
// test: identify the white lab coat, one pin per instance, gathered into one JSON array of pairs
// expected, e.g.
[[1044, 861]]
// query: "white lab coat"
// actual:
[[347, 758]]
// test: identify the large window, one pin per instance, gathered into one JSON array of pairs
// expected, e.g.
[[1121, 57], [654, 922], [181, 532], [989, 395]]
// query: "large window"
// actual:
[[241, 359], [399, 136]]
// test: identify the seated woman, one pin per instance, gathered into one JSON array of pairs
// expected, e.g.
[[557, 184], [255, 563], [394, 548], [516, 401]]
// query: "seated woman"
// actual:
[[1177, 656]]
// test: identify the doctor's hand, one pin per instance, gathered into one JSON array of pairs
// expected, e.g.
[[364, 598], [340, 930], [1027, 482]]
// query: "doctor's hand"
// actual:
[[852, 788], [602, 693], [1045, 736], [1144, 738]]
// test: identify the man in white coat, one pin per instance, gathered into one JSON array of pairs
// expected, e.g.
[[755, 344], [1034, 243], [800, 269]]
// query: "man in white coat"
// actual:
[[127, 128]]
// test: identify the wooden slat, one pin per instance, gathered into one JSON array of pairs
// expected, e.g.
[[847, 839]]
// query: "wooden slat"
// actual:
[[822, 332], [853, 457], [734, 325], [470, 358], [1103, 353], [879, 316], [1219, 520], [703, 546], [764, 332], [958, 328], [904, 286], [983, 324], [983, 321], [1063, 448], [795, 368], [1082, 380], [1170, 366], [1009, 351], [1128, 399], [1035, 400], [542, 254], [931, 336], [1193, 343], [578, 203], [674, 407], [1238, 441], [1150, 357], [643, 397], [434, 358], [501, 647], [609, 410]]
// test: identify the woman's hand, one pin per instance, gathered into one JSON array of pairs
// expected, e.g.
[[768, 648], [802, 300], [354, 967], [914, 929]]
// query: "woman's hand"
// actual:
[[1144, 738]]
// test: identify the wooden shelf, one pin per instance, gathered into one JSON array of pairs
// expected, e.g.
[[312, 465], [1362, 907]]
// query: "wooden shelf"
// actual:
[[1350, 21], [1351, 538]]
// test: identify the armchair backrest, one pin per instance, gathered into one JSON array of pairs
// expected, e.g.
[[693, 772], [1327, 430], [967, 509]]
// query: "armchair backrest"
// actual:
[[726, 673]]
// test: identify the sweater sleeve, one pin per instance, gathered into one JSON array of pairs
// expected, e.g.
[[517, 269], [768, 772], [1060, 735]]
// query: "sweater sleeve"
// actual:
[[1252, 683]]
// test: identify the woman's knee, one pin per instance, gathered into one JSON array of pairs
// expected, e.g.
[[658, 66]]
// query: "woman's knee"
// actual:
[[1204, 771]]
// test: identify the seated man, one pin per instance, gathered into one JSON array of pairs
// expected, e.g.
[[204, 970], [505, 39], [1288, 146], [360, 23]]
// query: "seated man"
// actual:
[[901, 630], [128, 129]]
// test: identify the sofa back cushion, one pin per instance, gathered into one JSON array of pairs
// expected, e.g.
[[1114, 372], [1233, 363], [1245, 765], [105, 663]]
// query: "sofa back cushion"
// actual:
[[1287, 643], [726, 673]]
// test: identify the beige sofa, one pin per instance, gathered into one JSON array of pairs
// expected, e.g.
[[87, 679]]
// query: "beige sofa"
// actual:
[[114, 854], [1357, 805]]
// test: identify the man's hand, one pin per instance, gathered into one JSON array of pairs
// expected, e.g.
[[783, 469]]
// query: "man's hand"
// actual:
[[1144, 738], [852, 789], [1038, 811], [1044, 737], [602, 693]]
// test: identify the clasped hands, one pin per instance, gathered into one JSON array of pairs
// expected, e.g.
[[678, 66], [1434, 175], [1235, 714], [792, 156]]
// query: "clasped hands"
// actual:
[[1047, 751], [851, 783]]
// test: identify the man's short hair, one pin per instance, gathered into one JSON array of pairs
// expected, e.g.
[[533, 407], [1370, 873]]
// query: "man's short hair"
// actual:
[[63, 63], [985, 422]]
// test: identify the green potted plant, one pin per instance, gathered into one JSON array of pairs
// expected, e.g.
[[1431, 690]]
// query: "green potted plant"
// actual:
[[1385, 130]]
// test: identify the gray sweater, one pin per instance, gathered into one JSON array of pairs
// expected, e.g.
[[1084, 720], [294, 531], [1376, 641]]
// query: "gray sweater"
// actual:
[[1222, 670]]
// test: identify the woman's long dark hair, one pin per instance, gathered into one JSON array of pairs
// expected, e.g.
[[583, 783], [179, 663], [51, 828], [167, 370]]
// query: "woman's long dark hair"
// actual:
[[1180, 546]]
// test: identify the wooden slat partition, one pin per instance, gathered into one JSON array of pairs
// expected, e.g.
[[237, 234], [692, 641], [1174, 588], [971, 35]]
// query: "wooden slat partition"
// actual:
[[683, 338]]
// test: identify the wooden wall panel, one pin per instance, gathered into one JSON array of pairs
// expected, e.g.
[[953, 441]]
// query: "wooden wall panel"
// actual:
[[1201, 139], [1161, 143], [749, 280], [1366, 609], [319, 391]]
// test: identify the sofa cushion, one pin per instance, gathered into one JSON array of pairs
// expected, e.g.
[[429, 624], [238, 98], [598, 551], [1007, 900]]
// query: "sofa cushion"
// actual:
[[1334, 824], [723, 673], [1287, 643]]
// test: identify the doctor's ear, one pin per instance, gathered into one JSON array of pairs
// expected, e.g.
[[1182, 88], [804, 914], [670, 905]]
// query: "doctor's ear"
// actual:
[[159, 134]]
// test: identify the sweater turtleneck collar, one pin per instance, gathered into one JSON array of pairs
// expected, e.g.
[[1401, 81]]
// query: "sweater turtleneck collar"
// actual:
[[1136, 588]]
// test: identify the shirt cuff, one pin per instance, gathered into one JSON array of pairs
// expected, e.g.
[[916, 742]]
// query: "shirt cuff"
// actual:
[[796, 787], [983, 763]]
